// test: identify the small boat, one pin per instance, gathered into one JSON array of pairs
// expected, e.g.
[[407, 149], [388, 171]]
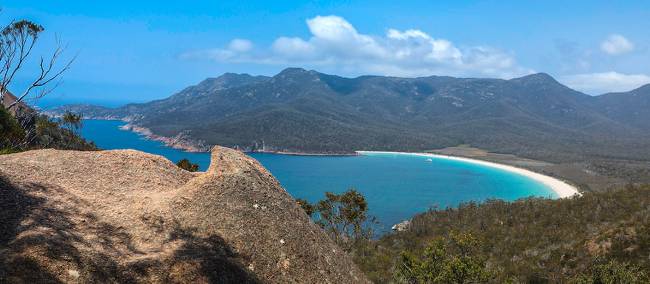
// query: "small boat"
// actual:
[[429, 160]]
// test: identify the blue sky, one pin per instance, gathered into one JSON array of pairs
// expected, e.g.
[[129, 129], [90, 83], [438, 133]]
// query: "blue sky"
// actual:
[[142, 50]]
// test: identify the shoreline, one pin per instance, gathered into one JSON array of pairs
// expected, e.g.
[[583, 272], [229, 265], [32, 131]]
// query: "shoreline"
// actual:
[[561, 188], [307, 153], [179, 142]]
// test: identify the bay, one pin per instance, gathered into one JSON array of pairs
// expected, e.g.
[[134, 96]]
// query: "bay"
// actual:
[[396, 186]]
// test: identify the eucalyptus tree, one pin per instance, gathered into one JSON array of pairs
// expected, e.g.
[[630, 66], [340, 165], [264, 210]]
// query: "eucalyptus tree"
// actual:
[[17, 42]]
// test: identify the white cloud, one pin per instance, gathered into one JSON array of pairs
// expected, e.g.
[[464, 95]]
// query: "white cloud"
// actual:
[[336, 45], [240, 45], [237, 50], [294, 48], [599, 83], [616, 44]]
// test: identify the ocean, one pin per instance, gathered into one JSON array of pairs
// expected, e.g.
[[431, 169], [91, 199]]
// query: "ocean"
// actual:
[[395, 186]]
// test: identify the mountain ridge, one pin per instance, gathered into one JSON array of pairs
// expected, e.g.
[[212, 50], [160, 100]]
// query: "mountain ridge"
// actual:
[[300, 110]]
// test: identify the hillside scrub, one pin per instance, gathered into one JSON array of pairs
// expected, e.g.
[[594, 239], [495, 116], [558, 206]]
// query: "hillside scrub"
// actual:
[[31, 131], [603, 235], [10, 131]]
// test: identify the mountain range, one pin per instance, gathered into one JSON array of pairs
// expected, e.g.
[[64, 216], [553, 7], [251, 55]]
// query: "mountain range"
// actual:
[[310, 112]]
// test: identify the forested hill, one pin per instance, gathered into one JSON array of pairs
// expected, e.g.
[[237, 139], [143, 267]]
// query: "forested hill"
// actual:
[[597, 238], [307, 111]]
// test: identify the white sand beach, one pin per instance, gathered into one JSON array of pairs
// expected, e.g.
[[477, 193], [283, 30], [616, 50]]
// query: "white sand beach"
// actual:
[[561, 188]]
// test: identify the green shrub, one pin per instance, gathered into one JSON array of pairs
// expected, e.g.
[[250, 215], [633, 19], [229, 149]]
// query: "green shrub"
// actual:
[[187, 165], [305, 205], [612, 272], [11, 134], [343, 216], [48, 133], [456, 259]]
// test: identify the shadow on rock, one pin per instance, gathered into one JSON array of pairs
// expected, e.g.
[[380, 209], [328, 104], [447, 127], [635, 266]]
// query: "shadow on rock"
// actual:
[[45, 240], [214, 259]]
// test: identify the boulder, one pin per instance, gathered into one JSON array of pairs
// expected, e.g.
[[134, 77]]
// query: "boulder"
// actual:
[[129, 216]]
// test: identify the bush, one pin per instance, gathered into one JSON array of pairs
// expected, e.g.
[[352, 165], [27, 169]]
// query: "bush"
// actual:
[[305, 205], [48, 133], [456, 259], [187, 165], [30, 130], [343, 216], [612, 272], [11, 134]]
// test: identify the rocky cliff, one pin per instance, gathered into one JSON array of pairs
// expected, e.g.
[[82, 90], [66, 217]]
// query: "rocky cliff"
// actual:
[[128, 216]]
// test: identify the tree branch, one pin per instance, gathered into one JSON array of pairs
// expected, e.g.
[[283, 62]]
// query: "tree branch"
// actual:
[[45, 77]]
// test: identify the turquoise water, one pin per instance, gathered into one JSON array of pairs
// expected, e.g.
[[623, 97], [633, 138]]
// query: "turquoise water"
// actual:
[[396, 186]]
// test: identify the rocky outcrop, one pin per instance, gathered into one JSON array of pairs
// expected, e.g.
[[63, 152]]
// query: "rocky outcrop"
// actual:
[[401, 226], [128, 216], [182, 140], [7, 99]]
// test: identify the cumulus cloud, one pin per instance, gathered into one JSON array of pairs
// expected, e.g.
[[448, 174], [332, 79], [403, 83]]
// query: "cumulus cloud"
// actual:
[[598, 83], [336, 44], [616, 44]]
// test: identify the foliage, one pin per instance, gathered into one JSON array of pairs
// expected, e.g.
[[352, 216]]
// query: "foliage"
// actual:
[[47, 133], [31, 131], [343, 216], [21, 127], [72, 121], [531, 240], [455, 259], [187, 165], [16, 29], [11, 134], [17, 40], [612, 272], [305, 205]]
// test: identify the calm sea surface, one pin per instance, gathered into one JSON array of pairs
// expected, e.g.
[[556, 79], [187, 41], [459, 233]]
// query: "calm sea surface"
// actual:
[[396, 186]]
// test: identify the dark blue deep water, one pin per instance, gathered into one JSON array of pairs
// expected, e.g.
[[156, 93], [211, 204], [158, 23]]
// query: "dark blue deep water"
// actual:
[[396, 186]]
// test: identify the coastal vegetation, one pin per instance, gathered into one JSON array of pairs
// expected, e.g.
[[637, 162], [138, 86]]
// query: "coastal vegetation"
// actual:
[[600, 237], [72, 121], [21, 126], [187, 165], [10, 131], [445, 260], [343, 216], [31, 130]]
